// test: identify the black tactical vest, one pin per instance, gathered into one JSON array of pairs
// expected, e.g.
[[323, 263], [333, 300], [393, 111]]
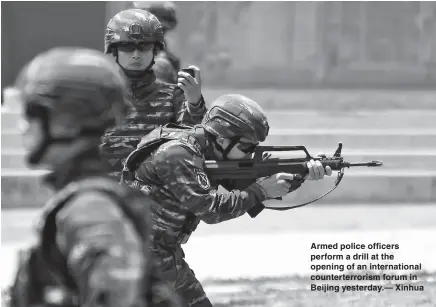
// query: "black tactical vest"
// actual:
[[161, 135]]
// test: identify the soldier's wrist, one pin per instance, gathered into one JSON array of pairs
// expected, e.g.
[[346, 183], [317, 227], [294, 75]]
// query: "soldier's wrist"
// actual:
[[259, 191], [260, 196], [199, 103]]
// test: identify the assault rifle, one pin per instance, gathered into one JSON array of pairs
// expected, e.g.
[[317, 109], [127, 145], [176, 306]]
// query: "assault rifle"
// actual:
[[259, 166]]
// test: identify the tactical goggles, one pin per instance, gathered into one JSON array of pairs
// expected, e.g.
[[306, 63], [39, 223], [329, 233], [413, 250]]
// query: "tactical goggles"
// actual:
[[247, 147], [133, 47]]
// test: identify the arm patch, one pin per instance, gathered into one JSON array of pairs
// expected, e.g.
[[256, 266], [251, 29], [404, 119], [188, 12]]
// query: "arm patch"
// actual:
[[203, 180]]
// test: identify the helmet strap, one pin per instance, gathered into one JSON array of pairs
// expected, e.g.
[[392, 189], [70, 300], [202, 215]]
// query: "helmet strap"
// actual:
[[43, 115], [225, 152], [47, 141]]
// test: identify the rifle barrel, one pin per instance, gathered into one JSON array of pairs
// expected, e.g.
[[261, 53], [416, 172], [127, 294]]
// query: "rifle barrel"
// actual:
[[368, 164]]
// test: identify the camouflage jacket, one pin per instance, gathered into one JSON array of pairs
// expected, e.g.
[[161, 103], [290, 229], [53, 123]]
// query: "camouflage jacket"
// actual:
[[95, 237], [173, 175], [166, 66], [152, 103]]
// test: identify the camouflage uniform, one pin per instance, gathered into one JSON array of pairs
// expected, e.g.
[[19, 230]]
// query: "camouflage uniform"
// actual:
[[152, 103], [168, 165], [166, 63], [94, 234]]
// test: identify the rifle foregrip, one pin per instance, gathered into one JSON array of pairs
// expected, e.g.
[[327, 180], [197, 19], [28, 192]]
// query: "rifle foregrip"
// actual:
[[335, 165]]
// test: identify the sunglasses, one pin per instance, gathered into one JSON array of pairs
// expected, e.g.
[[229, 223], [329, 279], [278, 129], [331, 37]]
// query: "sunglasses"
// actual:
[[133, 47], [247, 147]]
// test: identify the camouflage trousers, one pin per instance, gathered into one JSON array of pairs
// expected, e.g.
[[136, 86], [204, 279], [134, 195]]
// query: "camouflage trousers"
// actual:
[[177, 272]]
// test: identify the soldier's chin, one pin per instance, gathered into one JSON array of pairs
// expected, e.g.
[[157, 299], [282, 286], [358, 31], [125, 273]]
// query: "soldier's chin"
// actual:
[[136, 67]]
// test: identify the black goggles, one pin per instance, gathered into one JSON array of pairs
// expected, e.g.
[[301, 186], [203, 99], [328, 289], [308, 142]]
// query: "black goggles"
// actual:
[[133, 47], [247, 147]]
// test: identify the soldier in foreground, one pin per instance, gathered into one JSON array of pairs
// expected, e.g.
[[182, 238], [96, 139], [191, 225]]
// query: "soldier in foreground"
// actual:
[[133, 37], [168, 165], [166, 64], [94, 234]]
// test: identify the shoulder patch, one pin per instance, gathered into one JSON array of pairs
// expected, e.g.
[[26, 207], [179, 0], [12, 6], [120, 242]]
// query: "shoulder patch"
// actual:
[[202, 179]]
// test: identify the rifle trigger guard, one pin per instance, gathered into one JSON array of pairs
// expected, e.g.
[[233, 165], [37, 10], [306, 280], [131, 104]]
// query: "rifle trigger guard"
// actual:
[[338, 180]]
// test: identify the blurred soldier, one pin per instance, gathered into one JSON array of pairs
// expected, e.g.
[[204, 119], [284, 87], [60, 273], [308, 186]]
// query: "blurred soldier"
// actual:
[[94, 234], [134, 37], [168, 164], [166, 63]]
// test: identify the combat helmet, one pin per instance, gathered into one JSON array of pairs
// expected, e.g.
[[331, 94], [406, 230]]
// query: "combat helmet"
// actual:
[[133, 26], [165, 11], [76, 92], [235, 116]]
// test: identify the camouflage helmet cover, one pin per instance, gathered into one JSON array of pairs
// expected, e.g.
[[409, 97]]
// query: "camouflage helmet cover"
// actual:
[[235, 115], [165, 11], [133, 26], [82, 89]]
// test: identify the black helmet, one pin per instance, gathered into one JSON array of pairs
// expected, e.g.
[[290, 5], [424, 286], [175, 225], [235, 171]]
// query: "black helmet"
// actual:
[[78, 90], [133, 26], [235, 115]]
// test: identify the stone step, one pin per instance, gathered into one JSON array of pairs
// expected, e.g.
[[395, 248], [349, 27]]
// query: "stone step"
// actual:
[[392, 119], [23, 189], [336, 101], [386, 119], [317, 99], [357, 139], [320, 138], [14, 159]]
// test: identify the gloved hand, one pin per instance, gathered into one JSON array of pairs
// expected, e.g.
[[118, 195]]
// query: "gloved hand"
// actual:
[[277, 185], [316, 170]]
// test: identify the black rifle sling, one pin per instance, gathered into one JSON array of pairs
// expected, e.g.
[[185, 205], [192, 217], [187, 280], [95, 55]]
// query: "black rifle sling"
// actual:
[[338, 180]]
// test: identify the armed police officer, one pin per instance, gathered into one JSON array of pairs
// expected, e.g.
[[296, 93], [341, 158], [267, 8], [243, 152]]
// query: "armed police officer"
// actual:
[[134, 37], [166, 65], [168, 165], [94, 234]]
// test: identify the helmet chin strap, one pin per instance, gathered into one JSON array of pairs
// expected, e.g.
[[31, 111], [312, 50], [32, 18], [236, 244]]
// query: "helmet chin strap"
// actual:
[[225, 152], [36, 155]]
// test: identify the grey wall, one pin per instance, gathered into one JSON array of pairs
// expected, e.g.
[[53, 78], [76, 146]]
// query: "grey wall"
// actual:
[[32, 27], [254, 44]]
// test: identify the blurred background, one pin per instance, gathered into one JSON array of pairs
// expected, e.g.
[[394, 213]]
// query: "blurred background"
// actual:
[[361, 73], [252, 44]]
